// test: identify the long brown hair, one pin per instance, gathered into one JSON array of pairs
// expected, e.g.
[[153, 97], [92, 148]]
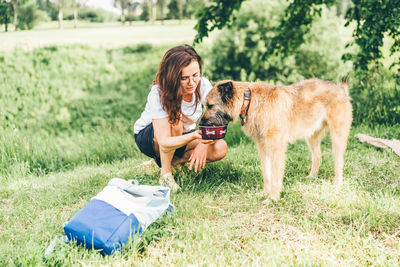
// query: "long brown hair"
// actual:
[[169, 78]]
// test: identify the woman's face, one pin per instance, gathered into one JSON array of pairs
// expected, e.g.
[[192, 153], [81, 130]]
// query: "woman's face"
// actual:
[[190, 78]]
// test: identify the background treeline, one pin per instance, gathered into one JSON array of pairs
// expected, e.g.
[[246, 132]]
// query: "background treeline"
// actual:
[[283, 42], [26, 14]]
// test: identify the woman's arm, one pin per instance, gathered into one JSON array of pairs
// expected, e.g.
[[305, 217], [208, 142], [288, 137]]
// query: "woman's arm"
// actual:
[[167, 142]]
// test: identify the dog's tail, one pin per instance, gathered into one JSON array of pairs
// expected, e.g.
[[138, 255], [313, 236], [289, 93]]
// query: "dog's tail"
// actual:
[[343, 83]]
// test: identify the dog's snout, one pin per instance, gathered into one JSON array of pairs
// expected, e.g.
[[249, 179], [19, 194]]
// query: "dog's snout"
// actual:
[[205, 122]]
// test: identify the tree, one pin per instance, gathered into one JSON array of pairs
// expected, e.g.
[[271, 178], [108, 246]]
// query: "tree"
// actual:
[[29, 16], [174, 12], [14, 5], [5, 13], [161, 5], [190, 7], [132, 7], [374, 19], [153, 9], [121, 4], [145, 15], [342, 6], [48, 7], [76, 4], [61, 5]]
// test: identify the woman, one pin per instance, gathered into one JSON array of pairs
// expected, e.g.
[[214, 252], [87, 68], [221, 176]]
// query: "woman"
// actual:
[[166, 129]]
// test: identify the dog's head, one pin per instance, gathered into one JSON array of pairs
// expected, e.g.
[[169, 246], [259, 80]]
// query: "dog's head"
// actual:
[[220, 105]]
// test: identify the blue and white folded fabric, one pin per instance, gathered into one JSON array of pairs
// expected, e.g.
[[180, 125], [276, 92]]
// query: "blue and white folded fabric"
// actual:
[[119, 213]]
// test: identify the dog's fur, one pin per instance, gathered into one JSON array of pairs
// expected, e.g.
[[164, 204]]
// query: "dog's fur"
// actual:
[[281, 114]]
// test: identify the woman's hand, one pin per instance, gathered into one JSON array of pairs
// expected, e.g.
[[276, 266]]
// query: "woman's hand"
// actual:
[[197, 135], [198, 157]]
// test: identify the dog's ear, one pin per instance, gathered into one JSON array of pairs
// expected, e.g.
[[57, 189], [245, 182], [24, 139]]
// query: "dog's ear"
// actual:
[[226, 91]]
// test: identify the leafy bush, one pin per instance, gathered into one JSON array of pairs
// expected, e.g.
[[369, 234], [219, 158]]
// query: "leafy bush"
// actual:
[[140, 48], [90, 14], [376, 97], [30, 16], [93, 15], [239, 52]]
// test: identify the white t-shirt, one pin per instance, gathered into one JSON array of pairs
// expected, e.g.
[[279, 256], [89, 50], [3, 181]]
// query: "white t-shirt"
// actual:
[[154, 109]]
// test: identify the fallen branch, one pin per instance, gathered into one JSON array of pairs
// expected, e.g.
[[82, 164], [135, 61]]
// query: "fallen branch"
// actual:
[[382, 143]]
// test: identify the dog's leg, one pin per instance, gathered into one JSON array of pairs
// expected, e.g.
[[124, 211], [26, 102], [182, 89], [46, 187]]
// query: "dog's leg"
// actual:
[[314, 144], [276, 150], [339, 128], [265, 166]]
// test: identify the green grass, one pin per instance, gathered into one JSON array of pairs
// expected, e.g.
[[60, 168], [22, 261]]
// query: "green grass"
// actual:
[[67, 114], [219, 218], [62, 106], [108, 35]]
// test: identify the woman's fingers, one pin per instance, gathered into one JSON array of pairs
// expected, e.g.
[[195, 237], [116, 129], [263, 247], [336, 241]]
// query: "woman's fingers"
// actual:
[[208, 142]]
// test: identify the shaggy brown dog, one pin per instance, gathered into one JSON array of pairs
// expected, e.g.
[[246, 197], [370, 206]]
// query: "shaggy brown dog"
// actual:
[[272, 116]]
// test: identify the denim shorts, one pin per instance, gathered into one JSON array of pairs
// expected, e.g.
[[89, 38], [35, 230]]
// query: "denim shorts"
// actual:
[[145, 143]]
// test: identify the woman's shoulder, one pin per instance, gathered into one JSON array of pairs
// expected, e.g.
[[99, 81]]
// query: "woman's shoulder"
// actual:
[[205, 84], [154, 90], [154, 87], [154, 95]]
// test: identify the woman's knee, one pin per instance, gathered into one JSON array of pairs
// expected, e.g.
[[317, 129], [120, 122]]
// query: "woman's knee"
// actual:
[[220, 148]]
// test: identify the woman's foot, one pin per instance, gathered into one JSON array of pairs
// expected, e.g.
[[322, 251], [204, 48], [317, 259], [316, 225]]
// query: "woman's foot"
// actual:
[[169, 181]]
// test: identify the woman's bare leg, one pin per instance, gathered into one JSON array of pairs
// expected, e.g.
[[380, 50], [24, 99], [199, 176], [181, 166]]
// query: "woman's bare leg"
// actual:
[[215, 152], [166, 177], [166, 156]]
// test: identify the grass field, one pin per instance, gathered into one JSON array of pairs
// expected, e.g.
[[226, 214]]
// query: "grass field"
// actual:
[[67, 113], [219, 217], [107, 35]]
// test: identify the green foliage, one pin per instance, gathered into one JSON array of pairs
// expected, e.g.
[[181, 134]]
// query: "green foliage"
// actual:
[[374, 19], [241, 53], [29, 16], [72, 108], [5, 14], [294, 25], [376, 97], [190, 8], [219, 218], [342, 6], [72, 98], [48, 7], [173, 10], [215, 15], [238, 51], [91, 14], [145, 15]]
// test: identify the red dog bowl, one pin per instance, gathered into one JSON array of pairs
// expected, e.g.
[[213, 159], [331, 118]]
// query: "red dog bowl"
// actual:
[[213, 132]]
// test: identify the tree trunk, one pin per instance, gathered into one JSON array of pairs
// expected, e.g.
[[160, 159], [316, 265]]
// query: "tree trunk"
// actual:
[[15, 6], [122, 16], [60, 18], [6, 17], [153, 11], [75, 17], [162, 14], [180, 9]]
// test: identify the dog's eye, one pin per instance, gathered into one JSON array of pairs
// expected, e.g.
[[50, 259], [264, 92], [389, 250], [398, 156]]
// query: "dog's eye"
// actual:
[[209, 106]]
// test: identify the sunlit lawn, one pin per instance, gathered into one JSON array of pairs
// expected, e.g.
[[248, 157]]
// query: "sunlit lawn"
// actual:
[[112, 34]]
